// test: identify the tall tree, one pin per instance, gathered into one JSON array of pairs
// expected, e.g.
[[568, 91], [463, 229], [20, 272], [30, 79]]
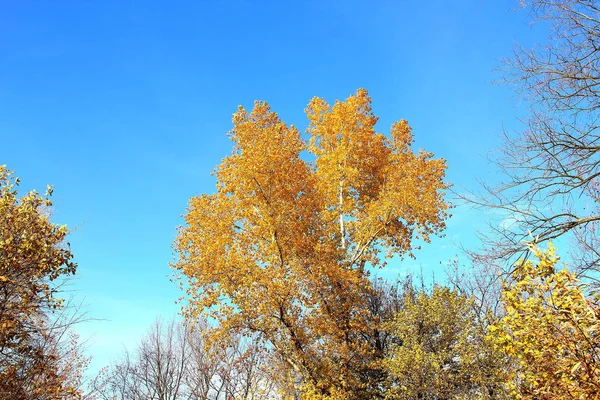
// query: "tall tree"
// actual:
[[34, 258], [282, 249], [552, 167]]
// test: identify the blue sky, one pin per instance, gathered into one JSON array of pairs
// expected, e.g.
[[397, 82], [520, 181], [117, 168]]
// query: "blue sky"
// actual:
[[124, 106]]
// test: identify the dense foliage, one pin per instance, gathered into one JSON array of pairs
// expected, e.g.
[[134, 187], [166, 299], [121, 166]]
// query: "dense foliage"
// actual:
[[283, 248], [441, 350], [34, 363], [551, 330]]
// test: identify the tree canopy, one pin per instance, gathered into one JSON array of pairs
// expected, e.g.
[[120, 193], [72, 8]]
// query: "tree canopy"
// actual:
[[284, 246], [33, 257], [551, 331], [440, 349]]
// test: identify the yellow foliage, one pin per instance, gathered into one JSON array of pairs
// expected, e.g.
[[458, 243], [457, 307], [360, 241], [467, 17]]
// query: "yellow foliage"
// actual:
[[551, 329], [32, 254], [441, 351], [282, 247]]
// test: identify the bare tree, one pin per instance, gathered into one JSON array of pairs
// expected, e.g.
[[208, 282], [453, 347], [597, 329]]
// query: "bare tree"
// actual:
[[174, 361], [155, 371], [552, 167]]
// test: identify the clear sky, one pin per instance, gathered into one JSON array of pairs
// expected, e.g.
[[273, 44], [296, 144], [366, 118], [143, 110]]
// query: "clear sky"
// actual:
[[124, 106]]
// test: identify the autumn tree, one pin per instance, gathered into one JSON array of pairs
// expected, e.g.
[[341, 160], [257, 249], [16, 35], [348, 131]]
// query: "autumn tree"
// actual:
[[35, 362], [284, 247], [551, 331], [440, 349], [551, 167]]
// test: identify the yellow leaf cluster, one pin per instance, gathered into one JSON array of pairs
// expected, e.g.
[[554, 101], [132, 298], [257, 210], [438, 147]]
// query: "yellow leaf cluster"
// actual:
[[551, 329], [441, 351], [32, 255]]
